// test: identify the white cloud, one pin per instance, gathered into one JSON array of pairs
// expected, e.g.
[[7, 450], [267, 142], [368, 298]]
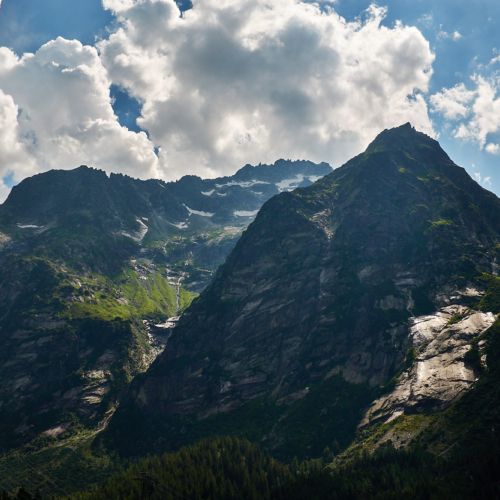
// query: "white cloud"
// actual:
[[245, 81], [493, 149], [230, 82], [14, 158], [455, 36], [12, 149], [64, 115], [481, 107], [452, 103], [479, 180]]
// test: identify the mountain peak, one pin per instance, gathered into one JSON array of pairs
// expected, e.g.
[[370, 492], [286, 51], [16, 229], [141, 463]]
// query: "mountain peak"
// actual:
[[415, 149], [402, 137]]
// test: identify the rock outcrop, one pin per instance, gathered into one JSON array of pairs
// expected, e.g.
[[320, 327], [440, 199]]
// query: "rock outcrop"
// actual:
[[439, 374]]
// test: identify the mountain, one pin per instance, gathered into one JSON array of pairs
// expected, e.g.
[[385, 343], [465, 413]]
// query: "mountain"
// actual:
[[89, 265], [94, 222], [363, 297]]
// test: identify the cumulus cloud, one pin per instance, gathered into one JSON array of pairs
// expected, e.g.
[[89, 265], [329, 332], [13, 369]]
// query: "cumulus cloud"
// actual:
[[227, 83], [63, 116], [492, 148], [14, 158], [244, 81], [480, 107], [452, 103]]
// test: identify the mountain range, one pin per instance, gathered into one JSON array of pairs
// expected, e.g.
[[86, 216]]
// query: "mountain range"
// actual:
[[340, 314], [90, 263]]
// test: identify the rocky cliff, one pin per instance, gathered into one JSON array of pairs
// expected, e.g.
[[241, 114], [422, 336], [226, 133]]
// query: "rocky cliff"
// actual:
[[367, 282]]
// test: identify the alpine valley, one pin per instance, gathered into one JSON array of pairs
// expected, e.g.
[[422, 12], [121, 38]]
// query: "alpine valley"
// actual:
[[296, 332]]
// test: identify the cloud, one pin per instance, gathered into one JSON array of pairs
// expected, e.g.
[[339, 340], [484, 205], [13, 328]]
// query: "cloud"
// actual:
[[494, 149], [479, 180], [480, 107], [427, 19], [13, 155], [452, 103], [245, 81], [455, 36], [64, 116], [227, 83]]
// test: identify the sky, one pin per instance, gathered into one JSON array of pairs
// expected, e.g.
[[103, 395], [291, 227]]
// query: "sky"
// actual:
[[158, 89]]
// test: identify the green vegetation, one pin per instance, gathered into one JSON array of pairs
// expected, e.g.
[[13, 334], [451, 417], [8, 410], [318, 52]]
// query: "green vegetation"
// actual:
[[413, 474], [286, 428], [440, 224], [227, 468], [185, 299], [57, 471], [422, 304], [456, 318], [130, 295], [491, 299]]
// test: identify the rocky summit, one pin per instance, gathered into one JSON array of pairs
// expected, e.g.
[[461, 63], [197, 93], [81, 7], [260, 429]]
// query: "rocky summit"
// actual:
[[359, 298]]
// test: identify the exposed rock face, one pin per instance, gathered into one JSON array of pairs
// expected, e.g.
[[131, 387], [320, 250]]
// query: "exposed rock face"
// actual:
[[439, 374], [324, 281]]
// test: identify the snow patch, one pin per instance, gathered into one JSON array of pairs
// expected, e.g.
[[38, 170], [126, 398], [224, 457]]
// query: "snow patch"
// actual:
[[291, 184], [256, 192], [142, 230], [221, 194], [137, 235], [198, 212], [26, 226], [314, 178], [208, 193], [242, 184], [181, 225], [245, 213]]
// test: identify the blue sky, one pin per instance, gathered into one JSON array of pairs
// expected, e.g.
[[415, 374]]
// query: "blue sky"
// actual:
[[180, 135]]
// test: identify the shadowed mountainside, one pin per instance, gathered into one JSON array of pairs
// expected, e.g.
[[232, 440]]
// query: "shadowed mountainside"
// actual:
[[314, 311]]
